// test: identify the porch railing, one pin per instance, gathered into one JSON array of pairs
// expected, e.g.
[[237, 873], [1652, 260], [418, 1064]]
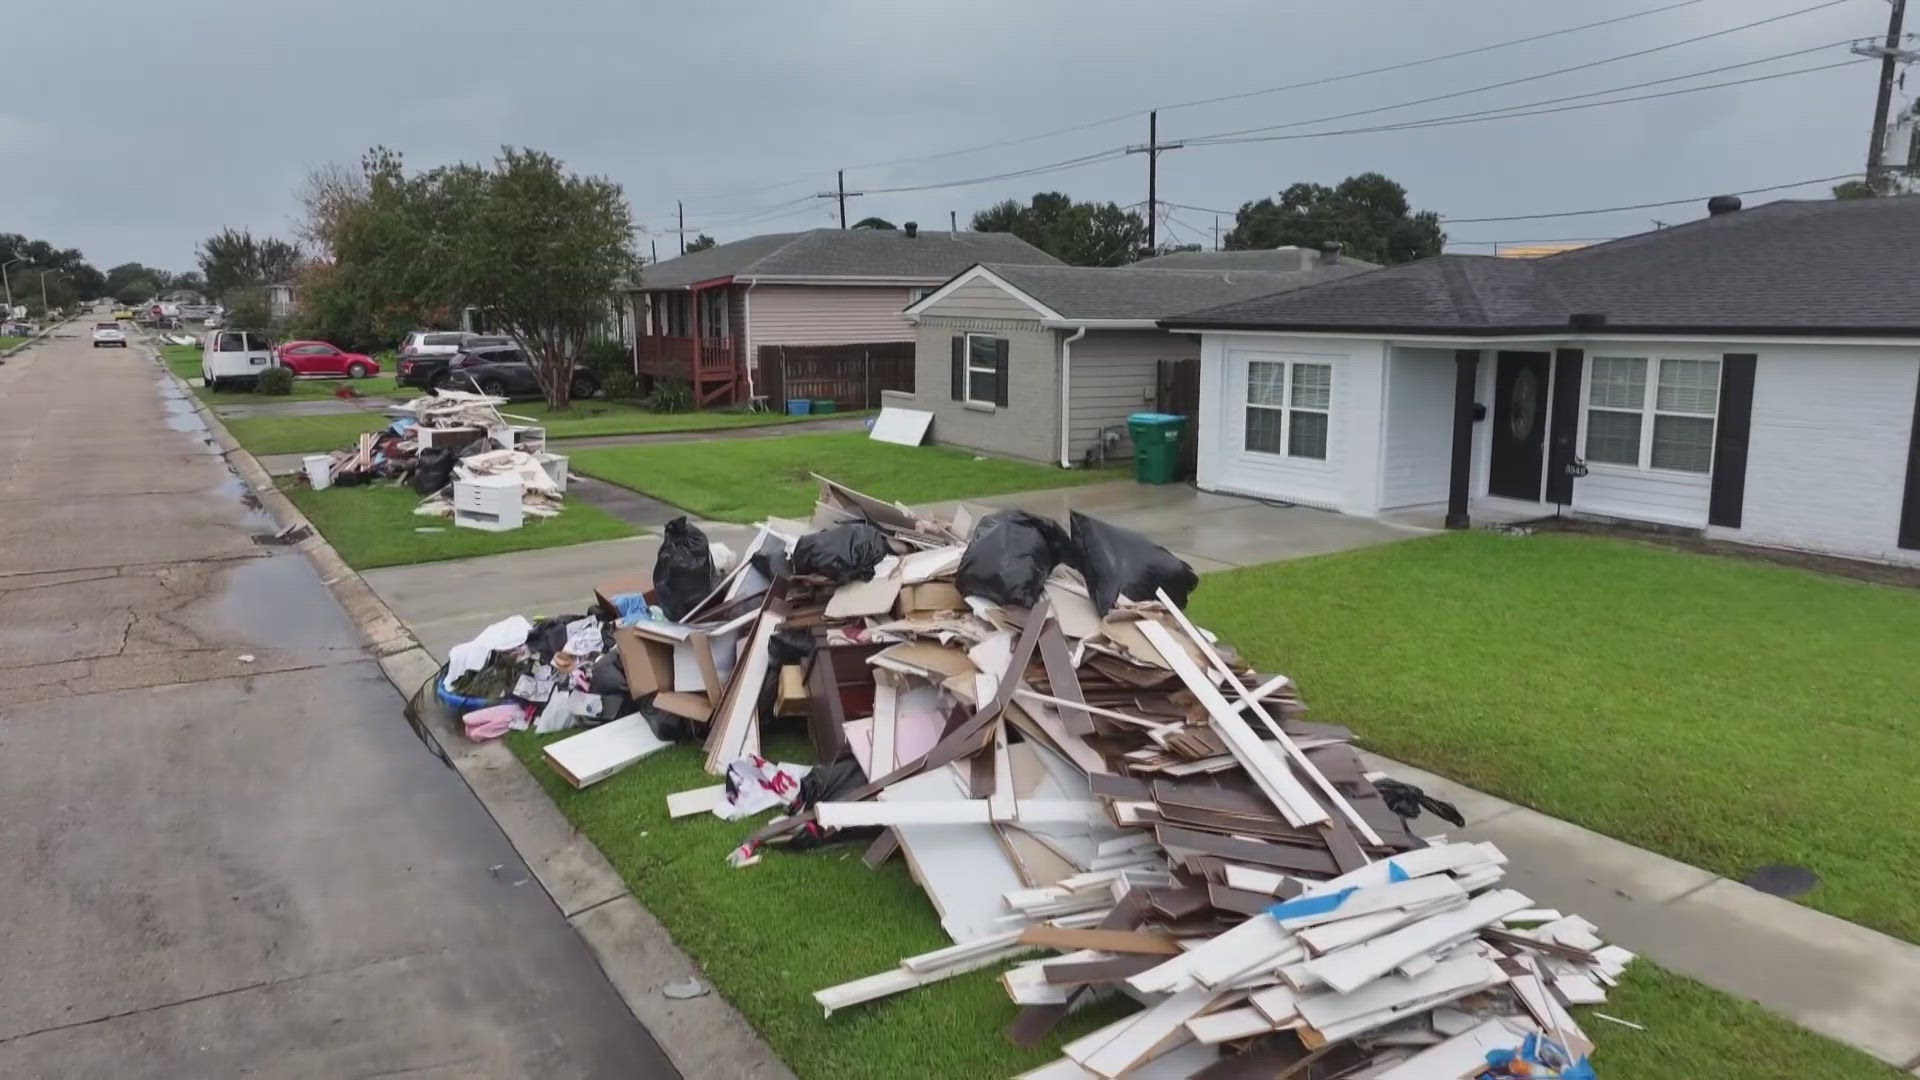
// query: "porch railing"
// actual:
[[683, 357]]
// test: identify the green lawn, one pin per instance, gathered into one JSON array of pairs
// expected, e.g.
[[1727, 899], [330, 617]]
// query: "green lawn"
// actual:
[[309, 434], [771, 934], [748, 480], [1725, 713], [8, 342], [376, 526]]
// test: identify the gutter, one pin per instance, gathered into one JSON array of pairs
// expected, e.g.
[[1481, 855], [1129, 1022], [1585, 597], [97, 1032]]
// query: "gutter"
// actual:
[[746, 339], [1066, 397]]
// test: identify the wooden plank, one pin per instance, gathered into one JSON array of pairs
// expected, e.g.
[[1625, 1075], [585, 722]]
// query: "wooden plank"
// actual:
[[863, 598], [1153, 1029], [1115, 941], [1242, 1023], [1458, 1056], [695, 800], [884, 847], [1237, 900], [1412, 893], [1099, 972], [599, 752], [1351, 968], [1064, 682], [1247, 851]]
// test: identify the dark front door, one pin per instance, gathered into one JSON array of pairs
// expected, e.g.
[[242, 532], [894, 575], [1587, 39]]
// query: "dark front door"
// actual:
[[1519, 425]]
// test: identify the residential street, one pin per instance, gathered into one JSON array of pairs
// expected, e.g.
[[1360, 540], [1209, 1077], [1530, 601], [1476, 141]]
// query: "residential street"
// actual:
[[228, 854]]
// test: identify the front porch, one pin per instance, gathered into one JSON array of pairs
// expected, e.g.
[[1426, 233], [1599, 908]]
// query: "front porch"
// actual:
[[711, 365]]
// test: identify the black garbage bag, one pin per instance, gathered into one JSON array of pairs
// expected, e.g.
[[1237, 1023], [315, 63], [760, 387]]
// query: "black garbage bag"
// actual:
[[828, 783], [1010, 556], [1408, 801], [841, 554], [785, 647], [1120, 562], [433, 470], [666, 725], [683, 571], [607, 676]]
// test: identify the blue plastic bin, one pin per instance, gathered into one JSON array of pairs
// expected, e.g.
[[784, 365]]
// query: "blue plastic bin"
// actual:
[[799, 406]]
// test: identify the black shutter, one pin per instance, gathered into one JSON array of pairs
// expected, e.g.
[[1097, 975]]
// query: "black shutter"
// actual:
[[959, 367], [1000, 372], [1910, 502], [1729, 490], [1561, 452]]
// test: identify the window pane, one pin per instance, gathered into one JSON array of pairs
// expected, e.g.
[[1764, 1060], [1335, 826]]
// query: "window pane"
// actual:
[[1263, 429], [1312, 386], [981, 386], [1683, 442], [980, 351], [1266, 384], [1688, 386], [1613, 437], [1619, 382], [1308, 439]]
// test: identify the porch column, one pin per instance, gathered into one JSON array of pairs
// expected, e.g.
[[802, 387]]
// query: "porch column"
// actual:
[[1466, 363]]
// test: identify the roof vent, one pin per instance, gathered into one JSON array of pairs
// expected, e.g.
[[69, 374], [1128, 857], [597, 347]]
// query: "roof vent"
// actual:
[[912, 229], [1587, 320], [1330, 252], [1722, 204]]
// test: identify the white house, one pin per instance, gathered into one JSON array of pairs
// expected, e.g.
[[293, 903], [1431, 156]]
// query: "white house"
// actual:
[[1753, 375]]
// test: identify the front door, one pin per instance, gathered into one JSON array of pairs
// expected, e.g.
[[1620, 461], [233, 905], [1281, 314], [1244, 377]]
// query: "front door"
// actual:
[[1519, 425]]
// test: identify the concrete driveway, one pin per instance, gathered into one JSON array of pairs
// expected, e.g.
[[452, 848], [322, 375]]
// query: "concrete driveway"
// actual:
[[446, 603]]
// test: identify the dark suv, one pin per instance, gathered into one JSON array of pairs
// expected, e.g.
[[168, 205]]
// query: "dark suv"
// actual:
[[505, 371], [428, 370]]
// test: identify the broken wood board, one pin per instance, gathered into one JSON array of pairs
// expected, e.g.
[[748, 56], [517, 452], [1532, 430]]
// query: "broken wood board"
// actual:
[[963, 869], [901, 427], [599, 752], [862, 598], [1113, 941], [1346, 970], [695, 800], [848, 815]]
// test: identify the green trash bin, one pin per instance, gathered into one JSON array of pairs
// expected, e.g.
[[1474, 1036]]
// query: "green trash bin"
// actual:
[[1156, 446]]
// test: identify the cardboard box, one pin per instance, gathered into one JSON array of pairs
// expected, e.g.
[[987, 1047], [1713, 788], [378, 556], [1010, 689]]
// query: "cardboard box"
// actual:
[[647, 662], [929, 597]]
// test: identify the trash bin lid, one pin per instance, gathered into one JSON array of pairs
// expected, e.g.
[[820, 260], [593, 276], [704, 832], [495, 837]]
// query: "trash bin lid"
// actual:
[[1156, 419]]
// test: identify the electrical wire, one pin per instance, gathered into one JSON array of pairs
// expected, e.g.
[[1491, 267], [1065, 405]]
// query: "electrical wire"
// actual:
[[1224, 135], [1650, 205]]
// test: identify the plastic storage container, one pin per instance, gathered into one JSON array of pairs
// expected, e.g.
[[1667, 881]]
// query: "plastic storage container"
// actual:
[[1156, 446], [825, 405], [799, 406]]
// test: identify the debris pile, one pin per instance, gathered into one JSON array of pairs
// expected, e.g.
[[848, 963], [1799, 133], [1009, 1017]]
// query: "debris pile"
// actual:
[[446, 438], [1094, 790]]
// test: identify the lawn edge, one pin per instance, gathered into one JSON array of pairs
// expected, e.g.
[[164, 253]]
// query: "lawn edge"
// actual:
[[703, 1037]]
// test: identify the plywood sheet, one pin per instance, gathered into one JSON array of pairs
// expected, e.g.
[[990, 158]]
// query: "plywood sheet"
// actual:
[[902, 427]]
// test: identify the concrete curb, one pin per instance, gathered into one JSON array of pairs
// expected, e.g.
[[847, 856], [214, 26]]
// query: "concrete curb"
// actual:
[[706, 1038], [35, 339]]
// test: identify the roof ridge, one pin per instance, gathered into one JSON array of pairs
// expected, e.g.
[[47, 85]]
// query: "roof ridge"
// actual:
[[1460, 290]]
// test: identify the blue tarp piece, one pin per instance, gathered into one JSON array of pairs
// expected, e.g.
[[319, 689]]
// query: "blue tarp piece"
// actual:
[[632, 608]]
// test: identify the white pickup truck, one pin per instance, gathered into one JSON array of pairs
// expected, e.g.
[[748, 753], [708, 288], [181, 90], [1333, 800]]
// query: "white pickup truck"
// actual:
[[109, 333]]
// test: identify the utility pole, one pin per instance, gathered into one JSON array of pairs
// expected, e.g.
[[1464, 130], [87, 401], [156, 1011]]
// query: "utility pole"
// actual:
[[1891, 56], [1153, 150], [654, 246], [841, 193], [953, 221], [1216, 232], [682, 207]]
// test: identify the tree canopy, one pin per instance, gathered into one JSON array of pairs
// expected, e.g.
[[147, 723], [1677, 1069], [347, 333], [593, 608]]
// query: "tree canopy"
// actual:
[[72, 276], [873, 223], [700, 243], [1080, 233], [232, 259], [1368, 215]]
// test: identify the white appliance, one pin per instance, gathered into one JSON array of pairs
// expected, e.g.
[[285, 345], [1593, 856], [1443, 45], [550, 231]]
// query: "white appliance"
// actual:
[[491, 503]]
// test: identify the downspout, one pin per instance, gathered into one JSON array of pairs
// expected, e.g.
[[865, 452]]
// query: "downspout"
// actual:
[[746, 340], [1066, 397]]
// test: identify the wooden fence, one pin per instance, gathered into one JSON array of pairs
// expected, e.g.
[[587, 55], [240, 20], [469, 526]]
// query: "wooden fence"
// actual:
[[851, 375]]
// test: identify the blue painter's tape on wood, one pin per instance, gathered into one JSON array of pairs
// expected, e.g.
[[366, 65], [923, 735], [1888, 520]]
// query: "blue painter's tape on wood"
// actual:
[[1311, 905]]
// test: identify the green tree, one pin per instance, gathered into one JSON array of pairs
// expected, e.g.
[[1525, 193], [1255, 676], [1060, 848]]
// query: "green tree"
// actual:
[[873, 223], [700, 243], [1368, 215], [136, 291], [233, 259], [1854, 189], [541, 248], [76, 275], [1080, 233]]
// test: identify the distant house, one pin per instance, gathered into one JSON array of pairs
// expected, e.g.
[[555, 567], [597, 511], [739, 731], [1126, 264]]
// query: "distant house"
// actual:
[[280, 301], [1753, 376], [1046, 362], [704, 317]]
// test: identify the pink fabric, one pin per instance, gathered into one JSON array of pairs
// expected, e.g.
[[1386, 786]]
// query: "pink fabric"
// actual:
[[491, 722]]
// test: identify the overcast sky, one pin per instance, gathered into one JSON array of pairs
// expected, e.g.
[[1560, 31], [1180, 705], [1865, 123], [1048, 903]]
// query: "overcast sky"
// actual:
[[136, 129]]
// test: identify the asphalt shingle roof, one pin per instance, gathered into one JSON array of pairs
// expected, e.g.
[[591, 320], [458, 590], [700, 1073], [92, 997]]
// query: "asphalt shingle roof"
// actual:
[[827, 253], [1280, 258], [1831, 266], [1134, 292]]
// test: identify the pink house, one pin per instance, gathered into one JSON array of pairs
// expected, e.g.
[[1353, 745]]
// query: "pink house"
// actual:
[[704, 317]]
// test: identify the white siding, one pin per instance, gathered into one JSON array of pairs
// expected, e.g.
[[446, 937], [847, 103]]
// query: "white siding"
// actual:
[[1348, 480], [1417, 456], [826, 315], [1826, 462], [980, 299], [1115, 373]]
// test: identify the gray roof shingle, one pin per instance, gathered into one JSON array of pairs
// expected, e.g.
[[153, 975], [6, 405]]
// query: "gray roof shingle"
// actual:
[[1280, 258], [829, 253], [1134, 292], [1830, 266]]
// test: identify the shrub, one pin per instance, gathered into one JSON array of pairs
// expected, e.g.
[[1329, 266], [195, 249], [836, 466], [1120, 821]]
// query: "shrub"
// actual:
[[275, 380], [670, 396], [607, 357], [621, 385]]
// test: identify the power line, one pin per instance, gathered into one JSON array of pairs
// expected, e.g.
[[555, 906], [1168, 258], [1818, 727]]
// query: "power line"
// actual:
[[1650, 205], [1523, 79]]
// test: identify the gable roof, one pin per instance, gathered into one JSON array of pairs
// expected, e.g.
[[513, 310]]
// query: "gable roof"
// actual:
[[843, 253], [1289, 257], [1131, 293], [1829, 267]]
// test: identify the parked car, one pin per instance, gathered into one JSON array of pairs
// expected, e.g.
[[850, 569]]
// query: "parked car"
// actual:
[[428, 369], [108, 333], [505, 371], [234, 357], [124, 313], [320, 358]]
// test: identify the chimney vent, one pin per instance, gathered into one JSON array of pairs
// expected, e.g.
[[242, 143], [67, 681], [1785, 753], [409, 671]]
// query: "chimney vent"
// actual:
[[1721, 205], [913, 229], [1330, 252]]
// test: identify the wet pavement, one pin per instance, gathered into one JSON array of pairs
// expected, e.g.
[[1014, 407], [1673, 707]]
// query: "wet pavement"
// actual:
[[228, 853]]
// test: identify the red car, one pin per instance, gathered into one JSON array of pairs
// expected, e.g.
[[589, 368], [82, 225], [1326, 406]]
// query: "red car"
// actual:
[[320, 358]]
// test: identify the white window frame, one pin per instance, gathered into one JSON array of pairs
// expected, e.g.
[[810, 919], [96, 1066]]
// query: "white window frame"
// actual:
[[921, 292], [1648, 412], [1287, 409], [991, 368]]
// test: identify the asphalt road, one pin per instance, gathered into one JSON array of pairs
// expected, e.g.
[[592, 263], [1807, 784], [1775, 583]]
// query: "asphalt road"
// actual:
[[225, 852]]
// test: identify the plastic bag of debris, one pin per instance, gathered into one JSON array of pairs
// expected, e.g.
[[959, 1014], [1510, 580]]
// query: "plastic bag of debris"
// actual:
[[433, 470], [683, 571], [1120, 562], [1010, 556], [841, 554]]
